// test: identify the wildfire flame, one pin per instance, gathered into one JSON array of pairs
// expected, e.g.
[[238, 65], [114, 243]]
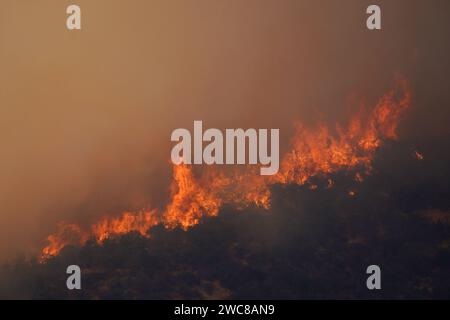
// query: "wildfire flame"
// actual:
[[317, 151], [66, 234], [69, 233], [190, 200], [140, 222]]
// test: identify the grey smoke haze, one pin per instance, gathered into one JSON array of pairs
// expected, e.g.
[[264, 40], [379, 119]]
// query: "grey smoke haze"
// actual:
[[85, 117]]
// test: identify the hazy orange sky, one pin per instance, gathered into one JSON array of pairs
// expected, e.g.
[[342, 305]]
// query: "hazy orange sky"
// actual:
[[86, 116]]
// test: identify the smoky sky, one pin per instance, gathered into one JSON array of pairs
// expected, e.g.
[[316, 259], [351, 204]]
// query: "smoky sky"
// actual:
[[86, 116]]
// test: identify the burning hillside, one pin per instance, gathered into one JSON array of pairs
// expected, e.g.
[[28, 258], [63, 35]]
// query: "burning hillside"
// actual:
[[316, 152]]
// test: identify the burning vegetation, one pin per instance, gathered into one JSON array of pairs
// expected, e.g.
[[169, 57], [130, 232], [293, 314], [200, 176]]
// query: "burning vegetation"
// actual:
[[315, 152]]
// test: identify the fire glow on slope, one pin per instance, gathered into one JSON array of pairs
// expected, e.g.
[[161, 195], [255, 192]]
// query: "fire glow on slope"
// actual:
[[315, 152]]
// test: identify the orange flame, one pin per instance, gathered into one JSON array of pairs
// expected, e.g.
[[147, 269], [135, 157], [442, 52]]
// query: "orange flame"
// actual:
[[190, 200], [66, 234], [128, 222], [315, 152], [70, 234], [318, 152]]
